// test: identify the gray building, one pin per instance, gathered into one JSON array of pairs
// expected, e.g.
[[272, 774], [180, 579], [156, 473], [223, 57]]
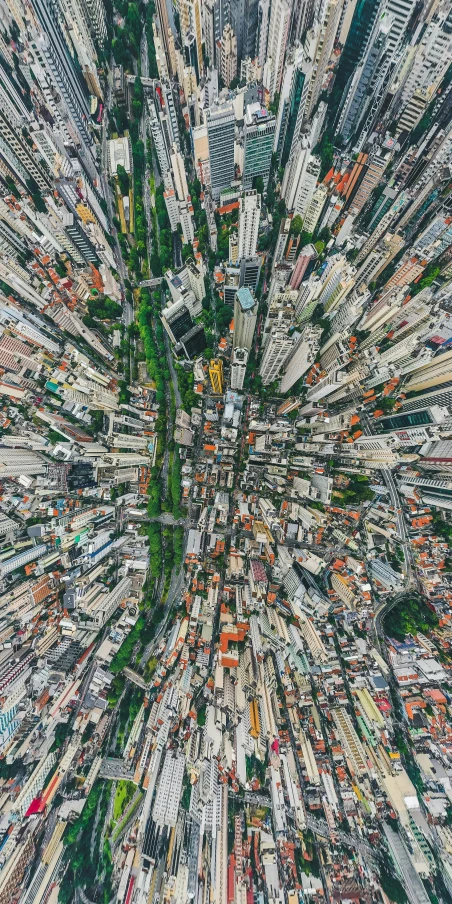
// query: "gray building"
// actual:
[[245, 316], [259, 135], [220, 133]]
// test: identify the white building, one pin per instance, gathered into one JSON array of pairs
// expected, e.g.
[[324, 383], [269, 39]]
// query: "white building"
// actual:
[[180, 177], [325, 35], [228, 55], [169, 791], [277, 350], [249, 215], [172, 208], [276, 45], [238, 367], [186, 220], [300, 178], [315, 208], [302, 357]]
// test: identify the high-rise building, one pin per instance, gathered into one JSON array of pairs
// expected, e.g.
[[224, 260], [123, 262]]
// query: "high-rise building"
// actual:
[[296, 103], [302, 357], [354, 95], [331, 274], [238, 367], [304, 266], [250, 268], [186, 221], [314, 209], [438, 456], [283, 106], [430, 61], [400, 11], [208, 30], [245, 15], [382, 206], [191, 56], [233, 248], [216, 375], [178, 323], [95, 10], [245, 316], [407, 272], [165, 33], [223, 14], [376, 166], [166, 98], [11, 101], [180, 178], [300, 178], [412, 112], [220, 132], [278, 31], [158, 137], [58, 76], [17, 156], [228, 55], [303, 12], [435, 238], [259, 134], [191, 27], [249, 216], [194, 342], [172, 206], [326, 34], [276, 352], [379, 258], [363, 20], [74, 13], [263, 21]]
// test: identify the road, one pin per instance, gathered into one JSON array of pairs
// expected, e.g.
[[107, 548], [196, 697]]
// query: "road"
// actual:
[[177, 250], [398, 511], [214, 306], [144, 56], [411, 881], [319, 826], [114, 768], [121, 268], [175, 383], [175, 590], [156, 281], [383, 611]]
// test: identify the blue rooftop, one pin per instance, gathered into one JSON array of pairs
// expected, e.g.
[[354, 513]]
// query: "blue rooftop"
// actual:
[[245, 298]]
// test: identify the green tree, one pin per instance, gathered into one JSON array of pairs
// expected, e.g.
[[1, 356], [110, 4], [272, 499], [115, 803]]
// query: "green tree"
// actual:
[[296, 225], [391, 885], [137, 98], [133, 28], [123, 179], [273, 106], [325, 151]]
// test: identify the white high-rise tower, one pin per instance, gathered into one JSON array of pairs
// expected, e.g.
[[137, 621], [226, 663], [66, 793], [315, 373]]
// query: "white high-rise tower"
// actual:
[[249, 214]]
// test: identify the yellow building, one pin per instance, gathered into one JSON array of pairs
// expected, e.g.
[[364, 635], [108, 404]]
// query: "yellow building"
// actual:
[[262, 533], [254, 719], [85, 214], [216, 375], [191, 21]]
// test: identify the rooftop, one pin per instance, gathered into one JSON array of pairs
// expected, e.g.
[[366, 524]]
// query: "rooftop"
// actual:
[[245, 298]]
